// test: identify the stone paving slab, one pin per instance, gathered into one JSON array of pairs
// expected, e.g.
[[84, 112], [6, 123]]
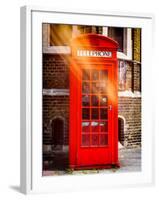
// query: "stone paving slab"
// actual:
[[129, 159]]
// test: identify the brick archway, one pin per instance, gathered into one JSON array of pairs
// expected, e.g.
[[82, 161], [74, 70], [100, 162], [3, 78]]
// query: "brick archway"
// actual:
[[121, 129], [57, 126]]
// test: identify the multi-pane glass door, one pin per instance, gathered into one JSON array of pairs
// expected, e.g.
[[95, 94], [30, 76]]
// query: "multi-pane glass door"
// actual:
[[94, 123]]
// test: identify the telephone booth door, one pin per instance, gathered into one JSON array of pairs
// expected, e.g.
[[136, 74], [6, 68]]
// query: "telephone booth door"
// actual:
[[93, 113]]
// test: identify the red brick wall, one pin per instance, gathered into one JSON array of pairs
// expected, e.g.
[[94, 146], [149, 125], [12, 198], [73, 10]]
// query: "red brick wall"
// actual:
[[55, 75], [55, 71], [136, 77], [53, 107], [130, 109]]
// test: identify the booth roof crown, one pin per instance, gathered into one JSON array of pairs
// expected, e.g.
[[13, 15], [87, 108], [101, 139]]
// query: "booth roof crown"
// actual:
[[94, 40]]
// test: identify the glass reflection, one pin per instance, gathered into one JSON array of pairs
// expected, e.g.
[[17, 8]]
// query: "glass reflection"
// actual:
[[104, 126], [103, 100], [85, 127]]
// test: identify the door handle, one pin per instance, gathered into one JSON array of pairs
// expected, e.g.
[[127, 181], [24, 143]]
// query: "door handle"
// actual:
[[110, 107]]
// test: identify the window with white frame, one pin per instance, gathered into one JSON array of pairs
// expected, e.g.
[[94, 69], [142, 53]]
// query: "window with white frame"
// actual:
[[118, 34], [124, 37]]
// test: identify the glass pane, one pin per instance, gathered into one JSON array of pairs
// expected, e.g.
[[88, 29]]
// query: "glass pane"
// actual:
[[102, 87], [95, 140], [103, 139], [95, 126], [103, 74], [103, 101], [104, 126], [85, 87], [85, 100], [85, 113], [95, 100], [95, 113], [85, 127], [103, 113], [86, 74], [95, 75], [85, 140], [95, 87]]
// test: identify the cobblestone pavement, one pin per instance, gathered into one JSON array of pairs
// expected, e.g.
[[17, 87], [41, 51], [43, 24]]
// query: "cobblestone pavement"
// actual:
[[129, 159]]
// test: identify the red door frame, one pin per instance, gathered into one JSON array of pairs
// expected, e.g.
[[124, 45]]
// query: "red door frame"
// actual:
[[91, 42]]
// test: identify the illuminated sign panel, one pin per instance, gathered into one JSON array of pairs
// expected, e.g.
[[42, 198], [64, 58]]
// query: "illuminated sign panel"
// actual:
[[92, 53]]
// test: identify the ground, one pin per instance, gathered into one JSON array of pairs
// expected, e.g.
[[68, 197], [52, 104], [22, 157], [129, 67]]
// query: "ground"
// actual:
[[129, 159]]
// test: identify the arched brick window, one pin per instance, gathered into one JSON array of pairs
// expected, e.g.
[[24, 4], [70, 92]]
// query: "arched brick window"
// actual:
[[57, 132], [121, 130]]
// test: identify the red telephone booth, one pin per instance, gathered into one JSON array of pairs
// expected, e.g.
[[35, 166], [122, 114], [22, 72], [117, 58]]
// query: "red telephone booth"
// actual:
[[93, 136]]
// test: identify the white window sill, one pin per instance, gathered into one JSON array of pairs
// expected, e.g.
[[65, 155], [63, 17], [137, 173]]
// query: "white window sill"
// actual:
[[123, 56], [57, 50], [129, 94]]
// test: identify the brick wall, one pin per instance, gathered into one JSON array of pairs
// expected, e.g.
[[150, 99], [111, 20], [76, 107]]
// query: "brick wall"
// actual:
[[137, 77], [55, 71], [55, 75], [129, 74], [130, 109], [137, 44], [55, 107]]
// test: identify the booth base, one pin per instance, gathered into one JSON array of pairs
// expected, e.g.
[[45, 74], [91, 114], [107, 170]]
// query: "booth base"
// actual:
[[89, 167]]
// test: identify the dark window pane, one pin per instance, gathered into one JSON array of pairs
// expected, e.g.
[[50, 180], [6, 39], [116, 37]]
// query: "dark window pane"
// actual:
[[103, 113], [95, 100], [95, 113], [57, 126], [103, 139], [85, 87], [86, 74], [85, 127], [95, 75], [118, 35], [95, 126], [103, 100], [95, 140], [85, 113], [85, 100], [85, 140], [104, 126]]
